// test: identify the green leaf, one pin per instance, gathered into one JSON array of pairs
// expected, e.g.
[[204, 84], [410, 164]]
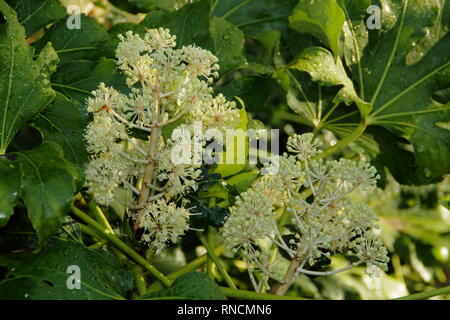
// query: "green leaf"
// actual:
[[193, 285], [323, 19], [228, 43], [36, 14], [47, 188], [88, 42], [391, 84], [242, 181], [387, 150], [431, 142], [80, 87], [355, 35], [256, 16], [192, 25], [44, 276], [9, 189], [224, 168], [24, 84], [401, 92], [254, 90], [323, 68], [64, 123]]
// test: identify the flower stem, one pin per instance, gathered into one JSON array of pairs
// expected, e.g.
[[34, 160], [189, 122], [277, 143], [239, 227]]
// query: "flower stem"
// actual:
[[100, 216], [139, 280], [344, 141], [426, 294], [216, 261], [121, 245], [326, 273], [191, 266], [282, 288]]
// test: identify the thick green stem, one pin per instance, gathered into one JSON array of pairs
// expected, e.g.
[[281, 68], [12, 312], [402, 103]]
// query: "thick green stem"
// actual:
[[344, 141], [216, 260], [100, 216], [251, 295], [121, 245], [426, 294], [139, 280]]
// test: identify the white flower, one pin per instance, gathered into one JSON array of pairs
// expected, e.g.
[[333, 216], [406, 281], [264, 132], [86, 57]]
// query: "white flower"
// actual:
[[370, 250], [103, 134], [350, 175], [304, 146], [220, 114], [163, 222], [159, 39], [201, 63]]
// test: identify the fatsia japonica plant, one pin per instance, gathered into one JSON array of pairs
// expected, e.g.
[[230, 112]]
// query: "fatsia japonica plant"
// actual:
[[135, 161], [167, 84]]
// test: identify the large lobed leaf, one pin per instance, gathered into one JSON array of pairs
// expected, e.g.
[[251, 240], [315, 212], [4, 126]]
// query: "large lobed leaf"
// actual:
[[44, 276], [48, 183], [400, 76], [24, 82], [36, 14], [397, 72]]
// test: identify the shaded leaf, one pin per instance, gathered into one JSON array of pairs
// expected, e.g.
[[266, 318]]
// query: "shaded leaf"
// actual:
[[48, 183], [228, 43], [88, 42], [431, 142], [193, 285], [36, 14], [64, 123], [256, 16], [45, 275], [9, 189]]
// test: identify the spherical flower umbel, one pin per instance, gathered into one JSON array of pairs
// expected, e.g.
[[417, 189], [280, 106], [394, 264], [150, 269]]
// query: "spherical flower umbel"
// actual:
[[163, 222]]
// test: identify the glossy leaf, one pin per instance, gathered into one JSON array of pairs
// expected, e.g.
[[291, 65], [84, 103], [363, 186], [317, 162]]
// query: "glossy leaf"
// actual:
[[228, 43], [401, 92], [323, 68], [36, 14], [47, 275], [323, 19], [24, 82], [48, 183]]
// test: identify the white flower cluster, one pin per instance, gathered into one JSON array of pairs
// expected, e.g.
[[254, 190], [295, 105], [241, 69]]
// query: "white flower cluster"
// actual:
[[314, 194], [125, 140]]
